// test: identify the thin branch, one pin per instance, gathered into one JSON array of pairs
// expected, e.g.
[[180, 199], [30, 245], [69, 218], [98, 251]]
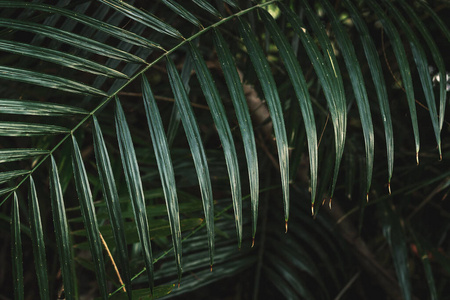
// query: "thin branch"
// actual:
[[168, 99], [113, 262]]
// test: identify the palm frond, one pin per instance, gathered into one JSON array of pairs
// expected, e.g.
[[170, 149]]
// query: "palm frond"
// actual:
[[70, 61]]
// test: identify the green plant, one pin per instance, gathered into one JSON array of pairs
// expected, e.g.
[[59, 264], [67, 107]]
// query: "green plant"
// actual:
[[94, 84]]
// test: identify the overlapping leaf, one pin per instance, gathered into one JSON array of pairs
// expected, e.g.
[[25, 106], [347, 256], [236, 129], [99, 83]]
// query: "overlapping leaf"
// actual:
[[135, 190], [165, 167], [90, 219], [112, 201]]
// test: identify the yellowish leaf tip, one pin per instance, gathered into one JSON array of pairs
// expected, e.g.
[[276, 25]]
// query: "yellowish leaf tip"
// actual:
[[367, 197], [417, 158], [312, 209], [440, 157], [253, 242], [286, 226], [389, 188], [323, 202], [330, 203], [210, 269]]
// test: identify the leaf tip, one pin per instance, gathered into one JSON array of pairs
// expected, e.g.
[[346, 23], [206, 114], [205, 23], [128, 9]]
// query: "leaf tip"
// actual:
[[253, 242], [389, 188], [210, 268], [330, 202], [286, 226], [417, 157], [367, 197]]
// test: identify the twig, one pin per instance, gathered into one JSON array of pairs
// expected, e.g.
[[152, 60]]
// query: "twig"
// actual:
[[112, 260], [168, 99], [347, 286], [323, 130]]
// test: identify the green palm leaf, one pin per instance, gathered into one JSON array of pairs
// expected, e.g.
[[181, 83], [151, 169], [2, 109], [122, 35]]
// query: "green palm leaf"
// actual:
[[218, 113], [16, 251], [165, 168], [38, 242], [273, 101], [62, 57], [62, 232], [134, 183], [90, 220], [112, 201]]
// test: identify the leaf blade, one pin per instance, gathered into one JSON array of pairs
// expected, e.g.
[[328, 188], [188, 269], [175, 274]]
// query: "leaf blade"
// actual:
[[60, 58], [197, 150], [37, 238], [10, 155], [165, 167], [219, 116], [36, 108], [142, 17], [268, 83], [357, 80], [420, 59], [89, 217], [244, 120], [182, 12], [301, 91], [405, 71], [380, 85], [112, 201], [71, 39], [48, 81], [134, 184], [16, 251], [61, 231], [28, 129]]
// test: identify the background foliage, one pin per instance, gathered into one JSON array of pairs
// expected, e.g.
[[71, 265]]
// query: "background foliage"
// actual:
[[193, 134]]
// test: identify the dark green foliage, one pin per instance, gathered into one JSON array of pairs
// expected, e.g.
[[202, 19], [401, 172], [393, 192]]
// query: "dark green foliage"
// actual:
[[272, 97]]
